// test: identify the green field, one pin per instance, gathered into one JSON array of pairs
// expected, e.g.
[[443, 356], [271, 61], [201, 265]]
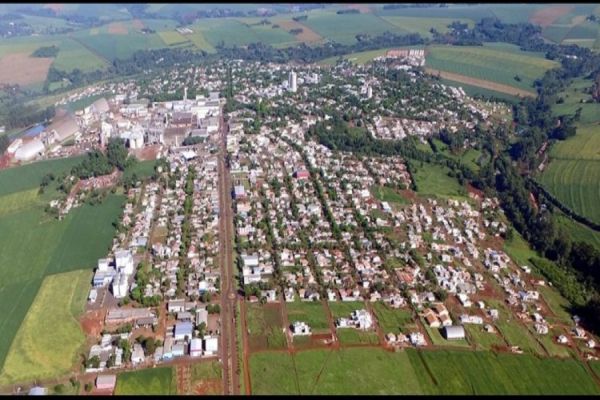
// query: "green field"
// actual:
[[239, 31], [343, 309], [422, 26], [393, 320], [172, 38], [578, 232], [141, 169], [73, 54], [412, 372], [344, 28], [155, 381], [384, 193], [493, 63], [483, 340], [265, 327], [360, 58], [310, 312], [514, 332], [433, 179], [435, 334], [356, 336], [47, 347], [17, 201], [111, 46], [519, 250]]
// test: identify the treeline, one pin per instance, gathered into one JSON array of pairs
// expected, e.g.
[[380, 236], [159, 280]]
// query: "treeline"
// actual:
[[97, 163], [46, 51]]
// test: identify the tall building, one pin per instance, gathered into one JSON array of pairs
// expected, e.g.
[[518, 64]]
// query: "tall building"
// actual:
[[369, 92], [292, 84]]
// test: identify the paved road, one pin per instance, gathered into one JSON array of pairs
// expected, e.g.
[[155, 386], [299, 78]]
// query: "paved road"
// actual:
[[228, 287]]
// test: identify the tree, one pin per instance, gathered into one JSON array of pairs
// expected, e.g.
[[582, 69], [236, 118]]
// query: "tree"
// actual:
[[93, 362]]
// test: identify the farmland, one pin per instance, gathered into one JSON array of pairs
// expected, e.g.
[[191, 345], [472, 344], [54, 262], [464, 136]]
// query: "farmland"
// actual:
[[35, 353], [499, 64], [483, 340], [423, 26], [344, 28], [313, 313], [332, 372], [155, 381]]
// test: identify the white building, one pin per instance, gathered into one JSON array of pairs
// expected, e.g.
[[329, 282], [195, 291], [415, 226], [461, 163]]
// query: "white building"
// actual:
[[120, 286], [211, 345], [196, 347], [300, 329], [124, 261], [293, 82], [30, 150]]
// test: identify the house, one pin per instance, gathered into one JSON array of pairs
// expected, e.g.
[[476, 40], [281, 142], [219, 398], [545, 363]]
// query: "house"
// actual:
[[300, 329], [591, 343], [454, 332], [38, 391], [562, 339], [211, 345], [432, 320], [106, 382], [239, 192], [137, 356], [177, 305], [250, 260], [417, 339], [183, 329], [471, 319], [201, 316], [445, 320], [196, 347], [178, 350], [93, 296]]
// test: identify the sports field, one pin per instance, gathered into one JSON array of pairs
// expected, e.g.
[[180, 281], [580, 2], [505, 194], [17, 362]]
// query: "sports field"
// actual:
[[49, 338], [155, 381], [498, 64], [413, 372]]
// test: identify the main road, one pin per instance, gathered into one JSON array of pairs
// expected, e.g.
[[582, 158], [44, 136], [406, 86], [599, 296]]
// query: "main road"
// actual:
[[229, 355]]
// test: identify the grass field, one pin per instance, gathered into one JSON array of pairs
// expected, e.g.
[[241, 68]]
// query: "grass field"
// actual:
[[265, 327], [482, 339], [473, 91], [73, 54], [141, 169], [383, 193], [343, 309], [498, 64], [344, 28], [577, 231], [18, 201], [172, 38], [412, 372], [514, 332], [519, 250], [393, 320], [360, 58], [310, 312], [240, 31], [155, 381], [435, 334], [422, 26], [432, 179], [355, 336], [50, 336], [113, 46]]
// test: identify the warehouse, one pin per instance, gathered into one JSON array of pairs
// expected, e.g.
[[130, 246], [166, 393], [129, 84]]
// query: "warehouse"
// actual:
[[454, 332], [30, 150]]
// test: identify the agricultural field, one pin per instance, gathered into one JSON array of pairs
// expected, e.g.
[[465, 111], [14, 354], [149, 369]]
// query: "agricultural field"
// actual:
[[265, 327], [356, 336], [112, 46], [414, 372], [577, 231], [206, 378], [393, 320], [423, 26], [474, 91], [73, 54], [172, 38], [310, 312], [432, 179], [498, 64], [344, 28], [47, 347], [155, 381], [361, 57]]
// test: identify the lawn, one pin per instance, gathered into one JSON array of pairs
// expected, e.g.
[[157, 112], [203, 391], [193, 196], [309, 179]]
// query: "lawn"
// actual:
[[343, 309], [435, 334], [356, 336], [47, 347], [265, 327], [491, 63], [310, 312], [155, 381], [384, 193], [393, 320], [433, 179]]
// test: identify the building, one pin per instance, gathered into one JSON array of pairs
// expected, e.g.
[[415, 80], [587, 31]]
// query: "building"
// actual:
[[120, 286], [38, 391], [93, 296], [177, 305], [211, 345], [196, 347], [300, 329], [250, 260], [137, 356], [124, 261], [183, 329], [106, 382], [30, 150], [454, 332], [293, 82], [239, 192], [178, 350]]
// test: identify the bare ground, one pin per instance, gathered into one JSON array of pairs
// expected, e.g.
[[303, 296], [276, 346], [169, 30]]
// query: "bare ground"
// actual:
[[19, 68], [307, 35], [547, 16]]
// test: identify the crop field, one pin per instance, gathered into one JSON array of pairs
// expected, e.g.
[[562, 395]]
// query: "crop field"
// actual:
[[265, 327], [432, 179], [574, 183], [484, 372], [307, 35], [310, 312], [198, 39], [489, 63], [45, 346], [577, 231], [112, 46], [413, 372], [422, 26], [360, 58], [172, 38], [240, 32], [21, 69], [18, 201], [71, 244], [585, 145], [393, 320], [473, 12], [344, 28], [155, 381], [473, 91], [73, 54]]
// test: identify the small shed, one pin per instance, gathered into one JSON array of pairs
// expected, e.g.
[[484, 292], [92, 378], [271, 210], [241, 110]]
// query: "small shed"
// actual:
[[454, 332], [106, 382]]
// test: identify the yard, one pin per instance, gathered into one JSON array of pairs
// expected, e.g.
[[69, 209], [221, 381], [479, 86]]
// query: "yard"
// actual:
[[265, 327], [483, 340], [155, 381], [393, 320], [310, 312]]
